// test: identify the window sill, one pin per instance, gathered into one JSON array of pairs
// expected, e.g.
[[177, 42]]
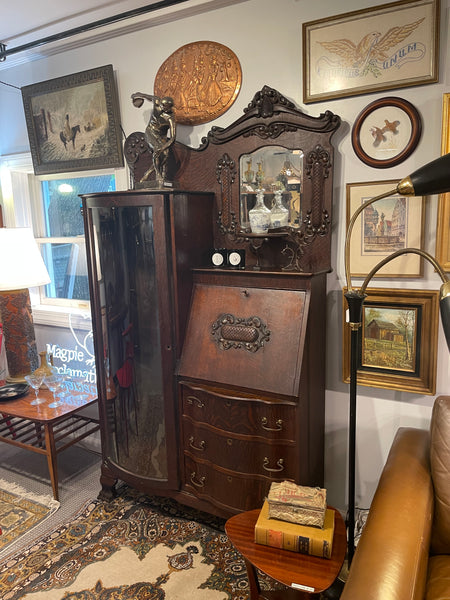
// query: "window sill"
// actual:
[[58, 316]]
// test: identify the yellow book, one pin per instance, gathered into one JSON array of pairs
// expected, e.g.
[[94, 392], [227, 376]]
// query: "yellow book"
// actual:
[[297, 538]]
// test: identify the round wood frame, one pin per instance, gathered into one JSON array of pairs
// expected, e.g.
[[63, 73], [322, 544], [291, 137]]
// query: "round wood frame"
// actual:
[[416, 129]]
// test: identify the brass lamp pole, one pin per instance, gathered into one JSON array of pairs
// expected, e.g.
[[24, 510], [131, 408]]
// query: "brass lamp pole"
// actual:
[[433, 178]]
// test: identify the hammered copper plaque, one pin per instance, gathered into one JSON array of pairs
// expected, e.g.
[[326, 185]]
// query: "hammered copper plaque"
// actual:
[[203, 78]]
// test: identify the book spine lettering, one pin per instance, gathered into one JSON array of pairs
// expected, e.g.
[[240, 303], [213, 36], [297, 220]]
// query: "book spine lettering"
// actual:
[[292, 542]]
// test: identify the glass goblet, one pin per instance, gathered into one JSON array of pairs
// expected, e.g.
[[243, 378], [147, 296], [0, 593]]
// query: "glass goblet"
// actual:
[[54, 382], [35, 381], [64, 393]]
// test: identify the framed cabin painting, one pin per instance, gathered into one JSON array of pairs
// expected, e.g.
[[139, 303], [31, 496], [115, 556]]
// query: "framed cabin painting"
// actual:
[[73, 122], [398, 340]]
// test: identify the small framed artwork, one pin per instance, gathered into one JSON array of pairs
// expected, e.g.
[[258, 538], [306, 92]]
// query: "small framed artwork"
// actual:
[[389, 224], [382, 48], [398, 340], [386, 132], [443, 222], [73, 122]]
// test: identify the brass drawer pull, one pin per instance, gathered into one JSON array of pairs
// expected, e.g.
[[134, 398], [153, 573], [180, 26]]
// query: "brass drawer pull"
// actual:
[[192, 399], [200, 482], [280, 465], [200, 447], [278, 423]]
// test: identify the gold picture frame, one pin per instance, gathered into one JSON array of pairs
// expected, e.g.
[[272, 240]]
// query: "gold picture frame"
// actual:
[[443, 221], [398, 349], [386, 47], [390, 224]]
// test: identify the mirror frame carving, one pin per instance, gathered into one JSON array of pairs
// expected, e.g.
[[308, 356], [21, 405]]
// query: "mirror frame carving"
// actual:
[[269, 119]]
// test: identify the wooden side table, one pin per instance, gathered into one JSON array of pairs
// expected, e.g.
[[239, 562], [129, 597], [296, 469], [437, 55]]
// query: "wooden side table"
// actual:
[[46, 430], [305, 575]]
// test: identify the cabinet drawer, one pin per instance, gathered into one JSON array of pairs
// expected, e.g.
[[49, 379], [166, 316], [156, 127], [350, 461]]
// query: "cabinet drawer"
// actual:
[[241, 454], [225, 489], [269, 420]]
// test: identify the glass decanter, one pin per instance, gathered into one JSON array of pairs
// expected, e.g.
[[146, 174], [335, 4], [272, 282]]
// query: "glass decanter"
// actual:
[[279, 214], [259, 215]]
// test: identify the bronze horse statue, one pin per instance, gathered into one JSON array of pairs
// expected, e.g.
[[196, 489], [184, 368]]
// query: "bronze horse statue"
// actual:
[[66, 139]]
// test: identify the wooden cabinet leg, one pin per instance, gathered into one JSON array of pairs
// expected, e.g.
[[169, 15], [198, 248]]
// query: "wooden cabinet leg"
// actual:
[[51, 458], [108, 483]]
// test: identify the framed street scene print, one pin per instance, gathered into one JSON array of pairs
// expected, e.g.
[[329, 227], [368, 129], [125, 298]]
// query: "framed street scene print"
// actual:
[[390, 224]]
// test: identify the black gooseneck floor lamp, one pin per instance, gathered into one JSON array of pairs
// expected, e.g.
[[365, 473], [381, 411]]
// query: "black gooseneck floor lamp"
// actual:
[[432, 178]]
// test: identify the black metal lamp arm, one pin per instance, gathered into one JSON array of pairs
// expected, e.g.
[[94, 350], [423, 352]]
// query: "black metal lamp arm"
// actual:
[[433, 178]]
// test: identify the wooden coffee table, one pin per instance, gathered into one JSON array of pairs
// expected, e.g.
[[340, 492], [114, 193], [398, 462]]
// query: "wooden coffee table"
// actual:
[[305, 575], [46, 430]]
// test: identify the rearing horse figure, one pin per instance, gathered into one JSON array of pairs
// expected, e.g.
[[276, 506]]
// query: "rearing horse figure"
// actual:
[[67, 138]]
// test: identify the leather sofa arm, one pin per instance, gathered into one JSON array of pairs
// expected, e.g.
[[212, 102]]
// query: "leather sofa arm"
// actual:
[[390, 561]]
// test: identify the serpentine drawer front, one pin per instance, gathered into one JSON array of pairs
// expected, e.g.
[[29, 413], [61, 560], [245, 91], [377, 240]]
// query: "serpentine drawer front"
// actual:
[[240, 398], [239, 414], [235, 438]]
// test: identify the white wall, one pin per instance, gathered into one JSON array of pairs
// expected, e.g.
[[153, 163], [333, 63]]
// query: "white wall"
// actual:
[[267, 38]]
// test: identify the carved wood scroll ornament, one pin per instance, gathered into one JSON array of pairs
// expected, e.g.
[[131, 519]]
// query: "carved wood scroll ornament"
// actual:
[[248, 333]]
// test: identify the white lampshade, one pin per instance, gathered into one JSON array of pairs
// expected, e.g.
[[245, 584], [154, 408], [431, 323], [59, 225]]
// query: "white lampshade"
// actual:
[[21, 263]]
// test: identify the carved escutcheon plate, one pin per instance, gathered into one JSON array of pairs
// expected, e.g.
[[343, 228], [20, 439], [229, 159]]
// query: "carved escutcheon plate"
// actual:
[[249, 333]]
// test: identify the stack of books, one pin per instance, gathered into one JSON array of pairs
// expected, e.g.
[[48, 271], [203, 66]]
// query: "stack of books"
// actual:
[[295, 536]]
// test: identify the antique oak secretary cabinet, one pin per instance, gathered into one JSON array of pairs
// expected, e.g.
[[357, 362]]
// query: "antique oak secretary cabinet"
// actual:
[[211, 377]]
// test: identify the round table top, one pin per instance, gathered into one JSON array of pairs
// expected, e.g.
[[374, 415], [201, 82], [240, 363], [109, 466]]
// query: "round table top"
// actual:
[[285, 566]]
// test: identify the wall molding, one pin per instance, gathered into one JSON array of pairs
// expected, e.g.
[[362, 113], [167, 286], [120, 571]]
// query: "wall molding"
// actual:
[[137, 23]]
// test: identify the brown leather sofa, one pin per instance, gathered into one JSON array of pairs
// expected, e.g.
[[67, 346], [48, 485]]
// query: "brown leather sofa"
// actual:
[[404, 549]]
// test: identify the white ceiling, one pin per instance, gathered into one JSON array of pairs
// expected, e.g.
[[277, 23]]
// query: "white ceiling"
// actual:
[[34, 20], [24, 22]]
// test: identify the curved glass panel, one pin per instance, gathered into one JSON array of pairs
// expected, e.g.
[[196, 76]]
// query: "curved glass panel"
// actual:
[[131, 336]]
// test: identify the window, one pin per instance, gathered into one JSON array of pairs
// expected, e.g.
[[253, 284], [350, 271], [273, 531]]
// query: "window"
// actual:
[[59, 230], [52, 206]]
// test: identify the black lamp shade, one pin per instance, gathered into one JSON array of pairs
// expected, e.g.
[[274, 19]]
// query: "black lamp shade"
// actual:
[[432, 178], [444, 305]]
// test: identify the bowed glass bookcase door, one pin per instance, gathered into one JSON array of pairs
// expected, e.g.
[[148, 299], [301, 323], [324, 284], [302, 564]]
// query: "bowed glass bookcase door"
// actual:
[[133, 264]]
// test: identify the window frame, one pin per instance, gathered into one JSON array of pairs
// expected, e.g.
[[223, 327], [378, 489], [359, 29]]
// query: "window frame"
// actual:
[[21, 199]]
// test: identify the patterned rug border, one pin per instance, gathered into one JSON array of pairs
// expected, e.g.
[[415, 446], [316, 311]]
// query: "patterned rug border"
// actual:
[[39, 563], [13, 490]]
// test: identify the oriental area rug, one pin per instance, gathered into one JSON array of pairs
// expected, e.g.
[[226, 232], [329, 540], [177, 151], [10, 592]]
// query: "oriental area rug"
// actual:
[[21, 511], [134, 547]]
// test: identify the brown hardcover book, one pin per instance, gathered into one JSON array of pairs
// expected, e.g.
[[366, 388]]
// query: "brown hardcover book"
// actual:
[[294, 537]]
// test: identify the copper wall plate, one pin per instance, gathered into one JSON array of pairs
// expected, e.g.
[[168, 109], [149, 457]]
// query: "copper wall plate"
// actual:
[[203, 78]]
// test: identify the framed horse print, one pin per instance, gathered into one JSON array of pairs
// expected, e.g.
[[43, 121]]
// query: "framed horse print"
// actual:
[[73, 122]]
